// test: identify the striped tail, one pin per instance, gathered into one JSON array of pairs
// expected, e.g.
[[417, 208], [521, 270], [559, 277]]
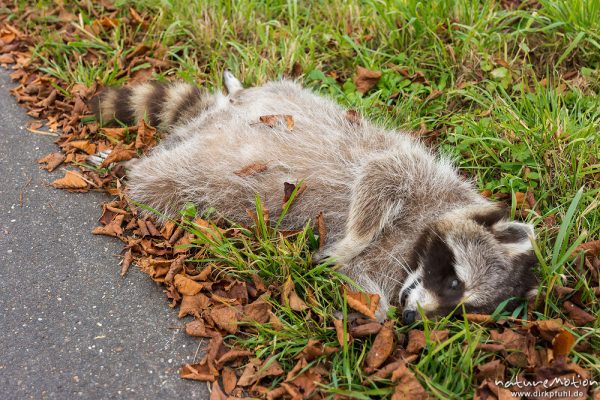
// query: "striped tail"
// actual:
[[163, 105]]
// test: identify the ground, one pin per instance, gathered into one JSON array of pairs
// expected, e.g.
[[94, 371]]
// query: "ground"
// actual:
[[59, 338]]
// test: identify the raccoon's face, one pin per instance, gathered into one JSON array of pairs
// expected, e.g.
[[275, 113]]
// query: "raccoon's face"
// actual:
[[473, 257]]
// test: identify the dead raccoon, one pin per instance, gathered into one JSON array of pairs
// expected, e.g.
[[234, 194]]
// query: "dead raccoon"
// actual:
[[401, 221]]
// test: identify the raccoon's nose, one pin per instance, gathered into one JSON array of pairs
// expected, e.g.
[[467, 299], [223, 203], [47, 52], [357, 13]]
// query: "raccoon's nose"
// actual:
[[408, 316]]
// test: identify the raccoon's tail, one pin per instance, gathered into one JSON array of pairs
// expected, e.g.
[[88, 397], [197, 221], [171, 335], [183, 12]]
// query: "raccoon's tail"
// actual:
[[163, 105]]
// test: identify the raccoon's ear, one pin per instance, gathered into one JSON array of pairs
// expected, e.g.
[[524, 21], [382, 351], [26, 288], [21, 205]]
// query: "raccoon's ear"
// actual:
[[490, 215], [515, 236]]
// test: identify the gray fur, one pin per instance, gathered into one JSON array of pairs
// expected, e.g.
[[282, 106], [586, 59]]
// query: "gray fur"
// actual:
[[379, 190]]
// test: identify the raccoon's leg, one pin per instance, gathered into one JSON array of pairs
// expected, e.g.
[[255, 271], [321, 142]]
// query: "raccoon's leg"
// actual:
[[376, 199], [164, 105]]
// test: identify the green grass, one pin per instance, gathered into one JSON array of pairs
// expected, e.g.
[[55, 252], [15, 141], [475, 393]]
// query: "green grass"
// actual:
[[494, 98]]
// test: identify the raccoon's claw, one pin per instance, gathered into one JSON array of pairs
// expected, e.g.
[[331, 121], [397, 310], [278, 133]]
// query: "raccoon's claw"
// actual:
[[319, 257], [98, 158]]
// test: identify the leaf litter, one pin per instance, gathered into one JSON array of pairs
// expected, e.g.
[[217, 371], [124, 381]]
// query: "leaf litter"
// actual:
[[223, 308]]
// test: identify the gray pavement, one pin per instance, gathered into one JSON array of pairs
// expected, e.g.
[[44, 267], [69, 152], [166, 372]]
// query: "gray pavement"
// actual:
[[70, 327]]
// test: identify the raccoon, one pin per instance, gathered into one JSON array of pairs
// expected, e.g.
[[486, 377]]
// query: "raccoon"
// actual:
[[401, 221]]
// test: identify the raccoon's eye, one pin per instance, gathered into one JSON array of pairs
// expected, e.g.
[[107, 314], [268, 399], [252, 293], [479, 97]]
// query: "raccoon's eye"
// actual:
[[454, 284]]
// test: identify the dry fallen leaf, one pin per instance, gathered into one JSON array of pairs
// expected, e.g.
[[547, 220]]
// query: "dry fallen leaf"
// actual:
[[84, 145], [187, 286], [257, 311], [365, 79], [251, 169], [407, 385], [290, 297], [491, 370], [342, 337], [382, 347], [126, 262], [145, 138], [52, 161], [198, 372], [118, 154], [315, 349], [365, 303], [353, 117], [71, 181], [273, 120], [488, 390], [365, 329], [288, 190], [563, 343], [193, 305], [226, 318], [579, 316], [592, 248], [229, 380]]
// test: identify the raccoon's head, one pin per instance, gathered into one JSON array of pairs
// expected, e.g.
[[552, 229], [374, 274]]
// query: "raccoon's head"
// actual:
[[474, 257]]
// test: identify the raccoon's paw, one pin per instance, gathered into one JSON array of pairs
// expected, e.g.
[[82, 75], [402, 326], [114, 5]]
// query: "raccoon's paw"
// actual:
[[231, 83], [98, 159]]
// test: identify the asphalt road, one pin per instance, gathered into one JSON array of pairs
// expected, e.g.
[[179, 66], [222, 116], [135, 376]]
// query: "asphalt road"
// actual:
[[70, 327]]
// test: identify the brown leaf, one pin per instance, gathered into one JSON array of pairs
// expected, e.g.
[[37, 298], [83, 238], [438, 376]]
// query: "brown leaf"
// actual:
[[592, 248], [365, 303], [71, 181], [249, 375], [315, 349], [233, 354], [365, 79], [84, 145], [145, 136], [488, 390], [365, 329], [118, 154], [198, 372], [416, 341], [407, 385], [175, 268], [273, 120], [193, 305], [226, 318], [382, 347], [290, 297], [197, 328], [216, 393], [549, 328], [7, 59], [257, 311], [288, 190], [251, 169], [579, 316], [339, 331], [187, 286], [321, 229], [126, 262], [479, 318], [563, 343], [115, 133], [112, 229], [491, 370], [52, 161], [353, 117], [229, 380], [516, 346]]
